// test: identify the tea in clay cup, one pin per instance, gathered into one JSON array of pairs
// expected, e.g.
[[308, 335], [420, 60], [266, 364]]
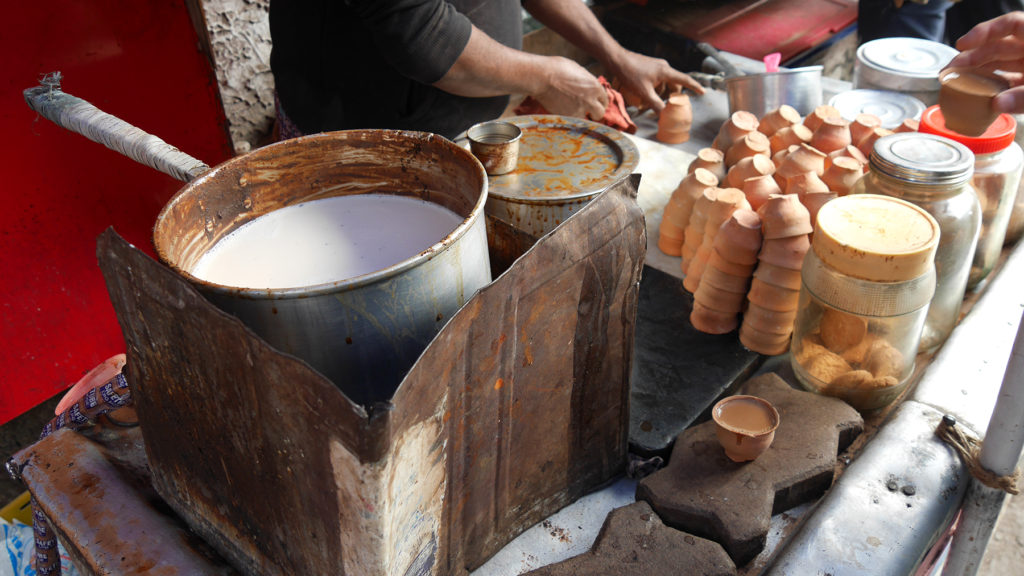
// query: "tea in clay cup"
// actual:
[[965, 98], [745, 426]]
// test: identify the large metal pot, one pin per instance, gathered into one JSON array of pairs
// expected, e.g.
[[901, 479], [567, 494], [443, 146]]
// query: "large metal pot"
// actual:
[[365, 332], [362, 333]]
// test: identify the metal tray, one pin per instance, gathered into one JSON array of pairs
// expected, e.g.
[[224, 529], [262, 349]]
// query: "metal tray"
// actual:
[[565, 158]]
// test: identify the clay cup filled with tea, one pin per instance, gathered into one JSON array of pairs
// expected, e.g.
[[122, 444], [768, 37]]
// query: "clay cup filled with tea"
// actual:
[[965, 98], [745, 426]]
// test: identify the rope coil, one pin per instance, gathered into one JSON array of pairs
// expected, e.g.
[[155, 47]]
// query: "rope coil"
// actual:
[[968, 447]]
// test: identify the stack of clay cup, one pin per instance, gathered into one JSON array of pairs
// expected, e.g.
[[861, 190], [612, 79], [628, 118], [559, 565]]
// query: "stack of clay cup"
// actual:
[[693, 235], [781, 162], [676, 215], [720, 206], [719, 298], [775, 288]]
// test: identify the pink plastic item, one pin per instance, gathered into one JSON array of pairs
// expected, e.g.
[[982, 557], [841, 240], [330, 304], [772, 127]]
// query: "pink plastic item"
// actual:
[[771, 62], [96, 377]]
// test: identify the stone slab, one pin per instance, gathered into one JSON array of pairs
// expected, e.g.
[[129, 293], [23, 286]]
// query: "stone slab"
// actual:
[[703, 492], [635, 542], [677, 371]]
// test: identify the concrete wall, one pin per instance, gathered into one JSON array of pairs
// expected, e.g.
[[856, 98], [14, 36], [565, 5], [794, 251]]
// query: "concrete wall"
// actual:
[[239, 34]]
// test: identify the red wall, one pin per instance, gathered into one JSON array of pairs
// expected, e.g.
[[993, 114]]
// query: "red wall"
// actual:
[[140, 61]]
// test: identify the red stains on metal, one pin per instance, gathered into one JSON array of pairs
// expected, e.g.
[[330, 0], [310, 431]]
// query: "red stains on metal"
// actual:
[[562, 158]]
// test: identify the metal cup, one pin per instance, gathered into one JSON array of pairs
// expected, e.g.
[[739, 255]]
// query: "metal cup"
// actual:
[[496, 145]]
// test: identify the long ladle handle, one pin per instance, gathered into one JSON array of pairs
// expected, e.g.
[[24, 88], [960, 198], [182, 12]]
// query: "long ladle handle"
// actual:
[[731, 70], [79, 116]]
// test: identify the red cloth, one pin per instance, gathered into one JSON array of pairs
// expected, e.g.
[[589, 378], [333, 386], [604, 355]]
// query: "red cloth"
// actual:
[[615, 115]]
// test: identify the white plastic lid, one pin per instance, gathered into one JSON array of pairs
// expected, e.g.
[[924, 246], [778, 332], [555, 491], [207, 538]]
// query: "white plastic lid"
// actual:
[[908, 57], [892, 108]]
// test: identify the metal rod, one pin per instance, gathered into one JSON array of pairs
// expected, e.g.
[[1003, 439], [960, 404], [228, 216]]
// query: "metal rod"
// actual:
[[77, 115], [1000, 453]]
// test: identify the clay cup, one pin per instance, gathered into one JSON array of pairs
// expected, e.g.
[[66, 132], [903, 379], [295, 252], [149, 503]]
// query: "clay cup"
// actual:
[[965, 98], [745, 426]]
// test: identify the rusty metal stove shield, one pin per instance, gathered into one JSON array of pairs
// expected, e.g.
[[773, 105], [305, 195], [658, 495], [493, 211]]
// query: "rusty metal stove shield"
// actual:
[[519, 406]]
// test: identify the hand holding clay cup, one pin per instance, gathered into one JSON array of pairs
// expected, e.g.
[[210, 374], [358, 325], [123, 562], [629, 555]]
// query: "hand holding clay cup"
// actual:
[[745, 426], [965, 98], [995, 45]]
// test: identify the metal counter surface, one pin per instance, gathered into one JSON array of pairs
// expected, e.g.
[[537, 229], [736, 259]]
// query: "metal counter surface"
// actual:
[[810, 535]]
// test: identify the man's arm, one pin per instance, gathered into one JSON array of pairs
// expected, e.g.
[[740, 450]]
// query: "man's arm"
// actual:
[[488, 68], [640, 76]]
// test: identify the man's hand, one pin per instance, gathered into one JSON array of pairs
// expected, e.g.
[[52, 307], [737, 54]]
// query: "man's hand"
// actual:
[[997, 44], [643, 79], [572, 91]]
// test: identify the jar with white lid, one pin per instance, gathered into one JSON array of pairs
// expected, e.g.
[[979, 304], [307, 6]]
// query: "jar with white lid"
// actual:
[[998, 162], [933, 173], [867, 282], [907, 65]]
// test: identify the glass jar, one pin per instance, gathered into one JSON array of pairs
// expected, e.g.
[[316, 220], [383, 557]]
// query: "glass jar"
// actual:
[[998, 162], [933, 173], [1015, 229], [866, 286]]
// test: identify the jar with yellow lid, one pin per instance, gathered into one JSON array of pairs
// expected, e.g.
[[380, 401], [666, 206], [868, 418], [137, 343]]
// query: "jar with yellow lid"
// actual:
[[867, 282], [933, 173]]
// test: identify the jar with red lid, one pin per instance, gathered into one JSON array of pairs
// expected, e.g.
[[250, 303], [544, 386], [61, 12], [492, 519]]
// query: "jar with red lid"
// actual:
[[998, 162]]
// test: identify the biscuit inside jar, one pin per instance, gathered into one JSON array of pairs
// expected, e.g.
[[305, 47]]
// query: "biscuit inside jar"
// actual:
[[841, 331], [845, 357]]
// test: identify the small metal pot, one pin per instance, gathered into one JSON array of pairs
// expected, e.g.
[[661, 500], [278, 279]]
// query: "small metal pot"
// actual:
[[362, 333], [496, 145], [762, 93]]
